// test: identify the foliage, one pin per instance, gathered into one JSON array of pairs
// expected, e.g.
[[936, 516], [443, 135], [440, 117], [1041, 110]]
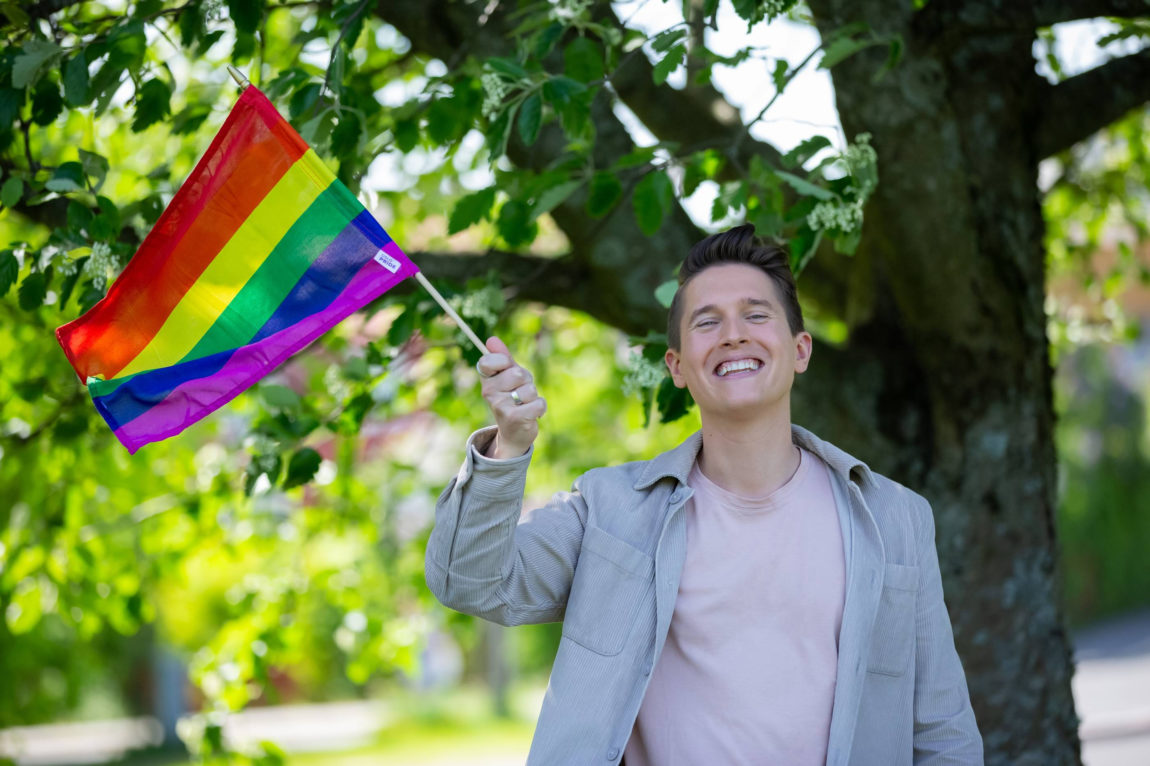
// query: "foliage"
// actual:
[[288, 530]]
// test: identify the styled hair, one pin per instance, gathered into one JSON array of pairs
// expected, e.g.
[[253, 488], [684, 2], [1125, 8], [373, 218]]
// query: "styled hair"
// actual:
[[737, 245]]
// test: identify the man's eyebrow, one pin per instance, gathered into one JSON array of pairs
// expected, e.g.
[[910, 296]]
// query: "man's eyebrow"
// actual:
[[746, 302]]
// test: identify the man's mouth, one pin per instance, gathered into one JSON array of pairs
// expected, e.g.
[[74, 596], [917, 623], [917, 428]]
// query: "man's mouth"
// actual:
[[737, 365]]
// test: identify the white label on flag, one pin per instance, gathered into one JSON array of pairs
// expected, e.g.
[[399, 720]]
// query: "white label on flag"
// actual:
[[386, 261]]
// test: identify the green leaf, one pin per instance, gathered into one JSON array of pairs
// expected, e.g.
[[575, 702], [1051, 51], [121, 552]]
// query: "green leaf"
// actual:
[[280, 397], [515, 223], [843, 48], [347, 136], [497, 134], [11, 191], [76, 80], [95, 167], [303, 99], [302, 467], [552, 197], [509, 67], [669, 64], [804, 151], [530, 118], [33, 290], [191, 24], [583, 60], [560, 90], [46, 102], [665, 292], [652, 200], [664, 40], [547, 38], [406, 135], [36, 57], [471, 209], [893, 56], [246, 14], [803, 186], [10, 102], [9, 268], [604, 193], [152, 104], [189, 119], [672, 402], [443, 121], [641, 156], [69, 177], [779, 75]]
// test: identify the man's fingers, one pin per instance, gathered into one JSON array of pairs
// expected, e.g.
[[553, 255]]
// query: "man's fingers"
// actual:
[[506, 381], [490, 365]]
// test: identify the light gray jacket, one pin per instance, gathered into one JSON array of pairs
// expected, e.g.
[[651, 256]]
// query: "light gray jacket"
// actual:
[[605, 559]]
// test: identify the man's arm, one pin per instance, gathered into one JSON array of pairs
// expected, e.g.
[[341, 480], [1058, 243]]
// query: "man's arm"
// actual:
[[945, 731], [482, 560]]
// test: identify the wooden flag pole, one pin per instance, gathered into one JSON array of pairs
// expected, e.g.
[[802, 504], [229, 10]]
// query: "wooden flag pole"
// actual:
[[451, 312], [243, 82]]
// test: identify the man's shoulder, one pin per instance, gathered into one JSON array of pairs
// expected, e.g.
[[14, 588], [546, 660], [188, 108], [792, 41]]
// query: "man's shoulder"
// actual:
[[883, 495]]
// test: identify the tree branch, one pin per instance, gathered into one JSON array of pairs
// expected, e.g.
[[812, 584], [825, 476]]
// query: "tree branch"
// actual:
[[1047, 13], [1081, 106]]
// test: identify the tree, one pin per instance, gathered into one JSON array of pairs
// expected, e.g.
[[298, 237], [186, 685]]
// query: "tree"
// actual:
[[944, 379]]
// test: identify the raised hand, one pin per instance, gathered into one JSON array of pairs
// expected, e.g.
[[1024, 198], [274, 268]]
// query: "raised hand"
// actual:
[[510, 393]]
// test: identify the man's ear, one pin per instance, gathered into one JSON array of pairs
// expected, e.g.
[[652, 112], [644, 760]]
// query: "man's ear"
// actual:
[[804, 345], [671, 359]]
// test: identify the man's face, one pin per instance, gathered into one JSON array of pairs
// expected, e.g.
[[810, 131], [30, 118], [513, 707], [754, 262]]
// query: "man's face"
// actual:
[[737, 354]]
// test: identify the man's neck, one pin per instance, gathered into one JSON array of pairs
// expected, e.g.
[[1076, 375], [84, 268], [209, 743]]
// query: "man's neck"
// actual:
[[749, 457]]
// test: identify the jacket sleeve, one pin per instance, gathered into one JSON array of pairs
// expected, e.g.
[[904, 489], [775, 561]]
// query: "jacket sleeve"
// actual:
[[483, 560], [945, 731]]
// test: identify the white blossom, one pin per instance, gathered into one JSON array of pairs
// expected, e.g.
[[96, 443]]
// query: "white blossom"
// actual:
[[836, 214], [494, 91], [642, 373], [861, 161], [101, 265]]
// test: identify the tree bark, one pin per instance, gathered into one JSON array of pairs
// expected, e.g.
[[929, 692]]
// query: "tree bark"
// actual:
[[955, 237]]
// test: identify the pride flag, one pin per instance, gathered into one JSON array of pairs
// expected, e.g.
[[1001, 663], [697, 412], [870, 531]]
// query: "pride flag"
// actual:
[[260, 252]]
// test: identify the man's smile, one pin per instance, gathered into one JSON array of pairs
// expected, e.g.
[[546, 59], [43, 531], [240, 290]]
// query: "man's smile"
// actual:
[[738, 367]]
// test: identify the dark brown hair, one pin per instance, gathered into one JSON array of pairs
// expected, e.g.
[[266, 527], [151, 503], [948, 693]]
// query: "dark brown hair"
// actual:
[[737, 245]]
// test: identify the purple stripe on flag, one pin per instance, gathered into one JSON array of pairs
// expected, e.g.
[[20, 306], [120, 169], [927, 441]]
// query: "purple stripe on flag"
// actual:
[[191, 401]]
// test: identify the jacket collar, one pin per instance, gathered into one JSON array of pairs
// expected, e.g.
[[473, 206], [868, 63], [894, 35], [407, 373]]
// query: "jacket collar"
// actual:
[[676, 463]]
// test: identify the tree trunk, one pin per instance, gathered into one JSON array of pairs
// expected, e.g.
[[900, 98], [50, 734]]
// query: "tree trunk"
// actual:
[[953, 243]]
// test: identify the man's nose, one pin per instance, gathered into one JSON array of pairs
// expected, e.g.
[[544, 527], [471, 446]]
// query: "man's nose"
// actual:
[[734, 333]]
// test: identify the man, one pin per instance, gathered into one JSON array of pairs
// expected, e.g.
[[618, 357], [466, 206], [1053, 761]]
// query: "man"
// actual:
[[753, 596]]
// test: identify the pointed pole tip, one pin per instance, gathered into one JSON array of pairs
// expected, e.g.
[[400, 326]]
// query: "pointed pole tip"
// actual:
[[238, 77]]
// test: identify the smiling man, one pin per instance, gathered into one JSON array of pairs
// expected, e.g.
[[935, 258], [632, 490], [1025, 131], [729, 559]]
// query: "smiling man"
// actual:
[[753, 596]]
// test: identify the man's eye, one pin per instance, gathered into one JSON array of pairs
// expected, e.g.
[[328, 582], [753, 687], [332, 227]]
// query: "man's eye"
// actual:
[[705, 323], [758, 316]]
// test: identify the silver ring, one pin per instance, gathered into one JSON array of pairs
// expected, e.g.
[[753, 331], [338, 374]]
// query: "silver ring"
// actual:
[[515, 398]]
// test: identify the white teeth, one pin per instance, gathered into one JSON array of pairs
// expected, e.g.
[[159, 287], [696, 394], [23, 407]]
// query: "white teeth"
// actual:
[[742, 364]]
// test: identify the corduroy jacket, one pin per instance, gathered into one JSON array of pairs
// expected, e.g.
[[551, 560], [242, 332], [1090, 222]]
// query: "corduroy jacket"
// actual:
[[606, 557]]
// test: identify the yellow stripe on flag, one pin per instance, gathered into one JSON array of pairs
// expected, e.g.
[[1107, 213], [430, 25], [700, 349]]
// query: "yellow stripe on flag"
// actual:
[[235, 264]]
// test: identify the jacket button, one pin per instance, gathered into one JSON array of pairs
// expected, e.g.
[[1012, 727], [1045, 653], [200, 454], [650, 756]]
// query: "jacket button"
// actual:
[[613, 753], [676, 496]]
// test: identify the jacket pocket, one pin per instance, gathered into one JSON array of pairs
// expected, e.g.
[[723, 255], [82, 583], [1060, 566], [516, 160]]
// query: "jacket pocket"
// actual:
[[611, 582], [893, 637]]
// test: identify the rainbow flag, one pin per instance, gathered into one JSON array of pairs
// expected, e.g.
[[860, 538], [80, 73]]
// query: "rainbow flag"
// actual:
[[260, 252]]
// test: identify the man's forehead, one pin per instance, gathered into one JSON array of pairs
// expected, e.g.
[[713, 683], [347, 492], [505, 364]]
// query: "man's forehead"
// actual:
[[730, 283]]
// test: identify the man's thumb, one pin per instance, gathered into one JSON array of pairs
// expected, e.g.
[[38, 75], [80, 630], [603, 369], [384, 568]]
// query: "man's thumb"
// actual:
[[496, 346]]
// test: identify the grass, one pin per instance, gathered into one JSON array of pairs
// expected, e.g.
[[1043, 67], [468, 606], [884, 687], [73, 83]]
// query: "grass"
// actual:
[[453, 728]]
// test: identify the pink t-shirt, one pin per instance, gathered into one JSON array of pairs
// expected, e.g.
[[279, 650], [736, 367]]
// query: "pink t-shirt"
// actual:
[[747, 674]]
